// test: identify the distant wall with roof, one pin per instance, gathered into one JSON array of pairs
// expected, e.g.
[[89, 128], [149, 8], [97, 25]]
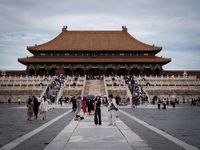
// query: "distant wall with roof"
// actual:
[[181, 72], [13, 73]]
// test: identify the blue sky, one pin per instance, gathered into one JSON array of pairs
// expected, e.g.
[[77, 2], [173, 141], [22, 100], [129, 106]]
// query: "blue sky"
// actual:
[[172, 24]]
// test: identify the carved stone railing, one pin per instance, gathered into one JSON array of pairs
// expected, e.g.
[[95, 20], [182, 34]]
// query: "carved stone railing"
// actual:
[[105, 86], [83, 88], [44, 91]]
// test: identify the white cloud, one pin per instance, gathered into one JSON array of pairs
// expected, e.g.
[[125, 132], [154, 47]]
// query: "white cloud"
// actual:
[[182, 60]]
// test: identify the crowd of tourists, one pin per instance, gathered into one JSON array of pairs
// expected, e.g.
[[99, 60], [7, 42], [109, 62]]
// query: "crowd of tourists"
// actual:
[[91, 105], [138, 94], [35, 104], [53, 89], [173, 101], [94, 77], [140, 97], [195, 101], [164, 102]]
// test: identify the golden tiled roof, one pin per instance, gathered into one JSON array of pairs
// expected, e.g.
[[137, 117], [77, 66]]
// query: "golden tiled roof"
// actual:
[[94, 41]]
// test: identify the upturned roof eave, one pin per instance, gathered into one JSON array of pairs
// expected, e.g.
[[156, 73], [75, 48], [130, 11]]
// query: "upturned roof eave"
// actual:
[[57, 39]]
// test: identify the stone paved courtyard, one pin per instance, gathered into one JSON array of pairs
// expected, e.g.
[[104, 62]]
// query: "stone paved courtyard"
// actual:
[[182, 123]]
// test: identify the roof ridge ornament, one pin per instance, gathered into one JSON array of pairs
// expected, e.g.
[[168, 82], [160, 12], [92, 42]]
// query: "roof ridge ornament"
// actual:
[[64, 28], [124, 29]]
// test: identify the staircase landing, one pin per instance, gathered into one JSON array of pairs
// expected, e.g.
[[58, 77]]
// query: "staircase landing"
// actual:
[[94, 87]]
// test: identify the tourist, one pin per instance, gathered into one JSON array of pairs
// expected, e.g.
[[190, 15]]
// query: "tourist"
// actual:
[[36, 105], [44, 108], [133, 102], [78, 103], [155, 98], [112, 108], [146, 99], [193, 102], [61, 100], [9, 100], [19, 100], [173, 102], [89, 106], [118, 99], [164, 104], [167, 101], [67, 100], [159, 103], [74, 106], [97, 113], [52, 99], [84, 105], [198, 101], [92, 105], [183, 100], [39, 99], [29, 108]]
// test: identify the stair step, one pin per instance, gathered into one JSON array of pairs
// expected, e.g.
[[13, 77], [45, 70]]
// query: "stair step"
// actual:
[[95, 87]]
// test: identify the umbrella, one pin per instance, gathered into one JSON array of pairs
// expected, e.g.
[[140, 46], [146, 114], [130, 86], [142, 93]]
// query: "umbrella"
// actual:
[[91, 96]]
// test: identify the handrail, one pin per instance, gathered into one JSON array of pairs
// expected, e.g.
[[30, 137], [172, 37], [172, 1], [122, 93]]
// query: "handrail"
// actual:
[[128, 92], [42, 94], [60, 92], [105, 86], [83, 88]]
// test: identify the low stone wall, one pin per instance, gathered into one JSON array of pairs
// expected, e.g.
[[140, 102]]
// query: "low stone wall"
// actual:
[[15, 94], [71, 92]]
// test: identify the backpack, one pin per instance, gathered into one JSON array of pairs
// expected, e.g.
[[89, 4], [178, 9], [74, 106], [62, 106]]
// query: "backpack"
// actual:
[[117, 101]]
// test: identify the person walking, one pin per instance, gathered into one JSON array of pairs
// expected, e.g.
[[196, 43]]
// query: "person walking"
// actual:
[[61, 101], [133, 102], [97, 113], [159, 103], [19, 100], [164, 104], [89, 106], [29, 108], [112, 108], [35, 107], [84, 105], [78, 100], [44, 108], [9, 100], [92, 106], [74, 105]]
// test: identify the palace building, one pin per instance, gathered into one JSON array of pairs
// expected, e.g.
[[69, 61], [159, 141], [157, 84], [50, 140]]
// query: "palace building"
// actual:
[[94, 53]]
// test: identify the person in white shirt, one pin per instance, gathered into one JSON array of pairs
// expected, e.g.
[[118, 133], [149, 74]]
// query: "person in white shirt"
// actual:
[[44, 106], [19, 100], [112, 108]]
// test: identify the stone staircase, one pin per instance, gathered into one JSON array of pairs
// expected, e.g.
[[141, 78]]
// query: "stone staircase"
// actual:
[[94, 87], [102, 87]]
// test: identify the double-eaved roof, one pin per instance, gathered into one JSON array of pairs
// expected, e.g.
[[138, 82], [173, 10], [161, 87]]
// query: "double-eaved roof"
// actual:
[[94, 41]]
